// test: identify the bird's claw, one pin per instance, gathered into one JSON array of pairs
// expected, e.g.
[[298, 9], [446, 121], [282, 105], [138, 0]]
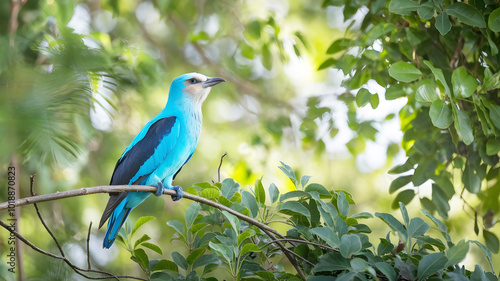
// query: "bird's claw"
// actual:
[[180, 193], [159, 189]]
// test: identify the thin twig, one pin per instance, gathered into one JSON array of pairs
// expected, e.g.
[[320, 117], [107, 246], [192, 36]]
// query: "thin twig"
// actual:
[[88, 246], [220, 165], [76, 268], [32, 181], [287, 254], [456, 54]]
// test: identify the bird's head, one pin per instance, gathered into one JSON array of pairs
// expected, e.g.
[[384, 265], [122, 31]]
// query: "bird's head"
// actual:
[[194, 85]]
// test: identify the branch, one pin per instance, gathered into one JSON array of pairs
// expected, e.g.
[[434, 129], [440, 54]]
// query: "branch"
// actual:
[[76, 268], [142, 188], [129, 188]]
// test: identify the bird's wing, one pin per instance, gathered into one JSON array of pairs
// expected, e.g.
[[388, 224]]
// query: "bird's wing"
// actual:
[[140, 159]]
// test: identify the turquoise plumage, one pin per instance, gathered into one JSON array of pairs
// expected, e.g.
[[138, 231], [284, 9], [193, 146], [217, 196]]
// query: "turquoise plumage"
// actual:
[[159, 151]]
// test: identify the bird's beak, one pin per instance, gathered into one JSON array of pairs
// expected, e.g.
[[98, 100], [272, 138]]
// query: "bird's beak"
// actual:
[[212, 82]]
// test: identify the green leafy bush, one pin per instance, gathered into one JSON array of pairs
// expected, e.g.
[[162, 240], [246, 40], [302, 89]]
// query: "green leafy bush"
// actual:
[[327, 240]]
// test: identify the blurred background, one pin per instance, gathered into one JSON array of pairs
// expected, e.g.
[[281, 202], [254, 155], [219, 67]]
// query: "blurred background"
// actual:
[[79, 79]]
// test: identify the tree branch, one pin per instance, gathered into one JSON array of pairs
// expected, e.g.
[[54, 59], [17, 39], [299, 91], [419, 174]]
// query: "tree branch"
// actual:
[[140, 188]]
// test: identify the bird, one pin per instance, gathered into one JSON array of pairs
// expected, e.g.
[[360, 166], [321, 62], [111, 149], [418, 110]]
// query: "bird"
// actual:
[[160, 150]]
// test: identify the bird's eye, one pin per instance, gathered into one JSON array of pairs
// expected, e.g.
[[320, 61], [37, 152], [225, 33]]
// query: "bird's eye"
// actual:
[[193, 81]]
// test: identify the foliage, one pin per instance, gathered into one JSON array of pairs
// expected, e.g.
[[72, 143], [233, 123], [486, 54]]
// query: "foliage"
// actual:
[[442, 56], [328, 238]]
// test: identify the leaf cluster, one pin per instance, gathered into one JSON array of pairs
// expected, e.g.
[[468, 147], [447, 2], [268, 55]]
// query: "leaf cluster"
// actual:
[[328, 241]]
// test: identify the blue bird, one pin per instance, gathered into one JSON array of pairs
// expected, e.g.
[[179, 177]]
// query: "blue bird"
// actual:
[[158, 152]]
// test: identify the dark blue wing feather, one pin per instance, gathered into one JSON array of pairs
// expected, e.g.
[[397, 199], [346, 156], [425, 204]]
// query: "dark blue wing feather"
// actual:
[[129, 164]]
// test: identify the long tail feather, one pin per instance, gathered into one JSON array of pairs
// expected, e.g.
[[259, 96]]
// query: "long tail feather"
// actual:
[[115, 223]]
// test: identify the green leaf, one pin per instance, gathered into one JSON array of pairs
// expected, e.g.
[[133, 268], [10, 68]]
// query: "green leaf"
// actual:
[[430, 264], [426, 11], [177, 226], [293, 194], [245, 234], [464, 85], [165, 265], [210, 193], [392, 222], [399, 182], [194, 255], [141, 258], [374, 101], [288, 171], [492, 82], [439, 76], [394, 91], [385, 247], [267, 57], [492, 147], [339, 45], [440, 114], [462, 125], [432, 241], [144, 238], [326, 64], [331, 262], [443, 23], [152, 247], [404, 197], [222, 250], [233, 220], [404, 72], [426, 93], [441, 226], [491, 241], [487, 253], [304, 179], [249, 201], [274, 192], [349, 245], [471, 180], [249, 247], [387, 270], [140, 222], [478, 274], [161, 276], [363, 97], [457, 253], [417, 227], [327, 234], [343, 205], [191, 214], [205, 260], [377, 32], [403, 7], [362, 215], [494, 20], [360, 265], [229, 188], [467, 14], [296, 208], [180, 260], [260, 194], [318, 188]]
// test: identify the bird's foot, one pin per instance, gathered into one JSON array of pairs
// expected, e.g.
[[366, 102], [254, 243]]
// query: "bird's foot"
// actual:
[[180, 193], [159, 189]]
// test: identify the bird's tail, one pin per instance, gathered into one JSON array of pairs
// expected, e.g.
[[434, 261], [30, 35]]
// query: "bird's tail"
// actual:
[[116, 220]]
